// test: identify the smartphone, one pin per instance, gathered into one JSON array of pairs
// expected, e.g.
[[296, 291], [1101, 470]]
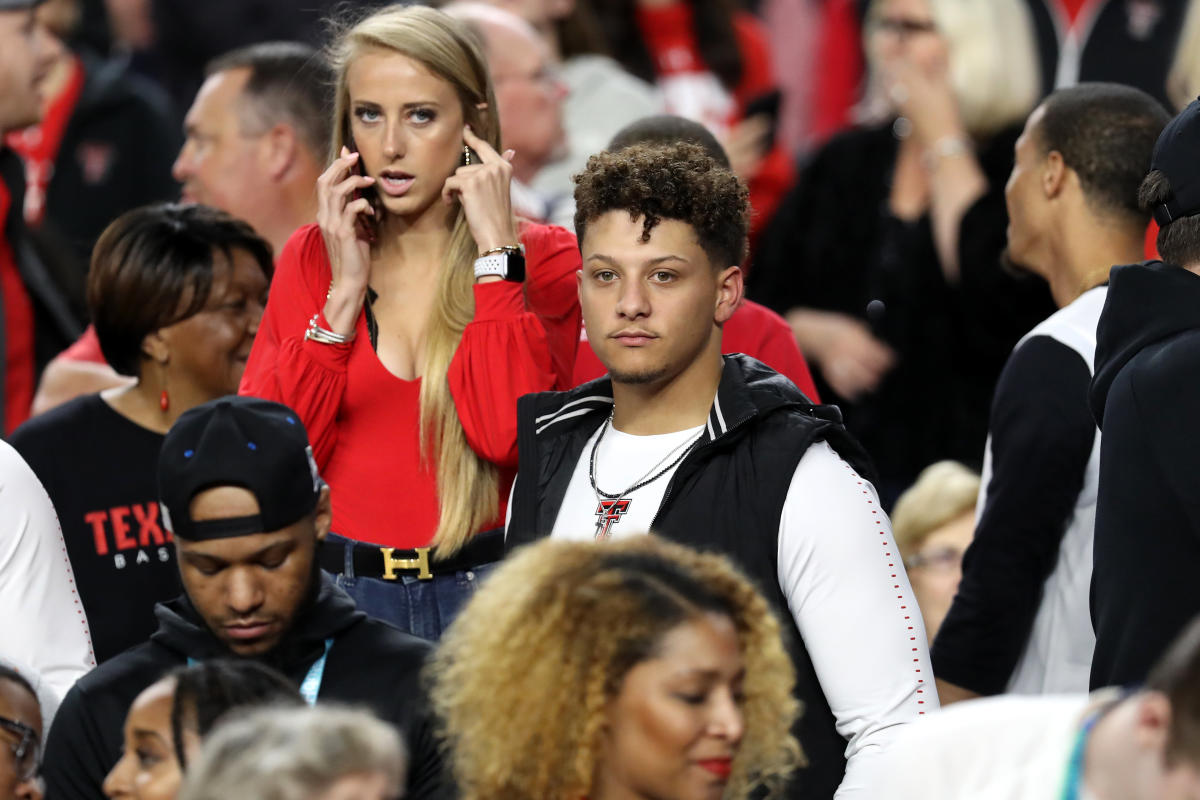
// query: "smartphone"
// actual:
[[767, 103], [367, 225]]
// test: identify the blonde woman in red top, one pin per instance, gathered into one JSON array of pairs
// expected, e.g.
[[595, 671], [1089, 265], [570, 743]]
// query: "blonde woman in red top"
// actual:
[[404, 325]]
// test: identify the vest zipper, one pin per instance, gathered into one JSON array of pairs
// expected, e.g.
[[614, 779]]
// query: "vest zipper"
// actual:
[[687, 461]]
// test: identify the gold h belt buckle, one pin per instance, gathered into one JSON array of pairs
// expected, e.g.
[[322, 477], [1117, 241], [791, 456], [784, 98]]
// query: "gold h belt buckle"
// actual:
[[420, 563]]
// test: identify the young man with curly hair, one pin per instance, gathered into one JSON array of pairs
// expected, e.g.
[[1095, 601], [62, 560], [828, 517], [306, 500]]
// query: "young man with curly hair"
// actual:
[[722, 453]]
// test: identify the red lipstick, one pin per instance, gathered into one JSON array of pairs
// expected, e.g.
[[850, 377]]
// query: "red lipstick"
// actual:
[[720, 767]]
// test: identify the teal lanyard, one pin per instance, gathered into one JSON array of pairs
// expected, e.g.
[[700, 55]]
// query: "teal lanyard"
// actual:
[[310, 687], [1074, 779]]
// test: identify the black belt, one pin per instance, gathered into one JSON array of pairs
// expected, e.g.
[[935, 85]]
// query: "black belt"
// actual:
[[390, 564]]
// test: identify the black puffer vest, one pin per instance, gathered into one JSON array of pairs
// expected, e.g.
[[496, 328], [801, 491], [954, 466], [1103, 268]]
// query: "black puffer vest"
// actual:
[[726, 497]]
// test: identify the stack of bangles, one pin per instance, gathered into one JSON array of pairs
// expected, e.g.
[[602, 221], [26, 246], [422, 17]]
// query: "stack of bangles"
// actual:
[[325, 336]]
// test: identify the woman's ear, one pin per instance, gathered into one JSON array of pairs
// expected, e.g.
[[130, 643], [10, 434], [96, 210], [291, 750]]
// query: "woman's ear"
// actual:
[[156, 347]]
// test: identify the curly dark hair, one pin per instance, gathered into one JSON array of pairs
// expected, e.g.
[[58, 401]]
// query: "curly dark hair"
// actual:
[[679, 181]]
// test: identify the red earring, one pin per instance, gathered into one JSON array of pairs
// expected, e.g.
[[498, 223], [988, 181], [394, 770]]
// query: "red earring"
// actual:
[[164, 402]]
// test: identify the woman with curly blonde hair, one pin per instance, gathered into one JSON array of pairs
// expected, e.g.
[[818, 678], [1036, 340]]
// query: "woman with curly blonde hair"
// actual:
[[636, 668]]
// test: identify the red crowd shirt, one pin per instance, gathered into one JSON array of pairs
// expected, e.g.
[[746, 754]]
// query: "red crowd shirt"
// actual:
[[363, 421], [18, 332], [85, 348], [669, 34], [38, 144], [839, 52], [754, 330], [1071, 8]]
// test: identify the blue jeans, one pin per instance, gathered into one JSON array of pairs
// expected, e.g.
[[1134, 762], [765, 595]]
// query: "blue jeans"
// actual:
[[422, 608]]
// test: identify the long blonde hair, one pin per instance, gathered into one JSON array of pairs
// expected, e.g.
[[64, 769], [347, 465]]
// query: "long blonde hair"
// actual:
[[468, 485], [564, 622], [993, 61]]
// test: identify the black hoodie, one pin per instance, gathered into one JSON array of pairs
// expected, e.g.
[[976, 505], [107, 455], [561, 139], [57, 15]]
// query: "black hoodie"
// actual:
[[370, 664], [1146, 399]]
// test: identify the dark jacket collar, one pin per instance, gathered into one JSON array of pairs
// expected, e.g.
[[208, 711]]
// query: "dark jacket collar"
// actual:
[[326, 615], [748, 388]]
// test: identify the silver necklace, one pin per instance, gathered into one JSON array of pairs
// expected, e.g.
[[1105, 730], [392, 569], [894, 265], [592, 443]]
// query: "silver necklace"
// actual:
[[611, 507]]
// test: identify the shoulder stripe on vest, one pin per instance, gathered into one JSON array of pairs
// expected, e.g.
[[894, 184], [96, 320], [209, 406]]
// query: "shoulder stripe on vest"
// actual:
[[579, 412], [594, 398]]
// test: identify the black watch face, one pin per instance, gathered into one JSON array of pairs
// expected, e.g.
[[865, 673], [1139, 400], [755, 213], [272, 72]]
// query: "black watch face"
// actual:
[[515, 267]]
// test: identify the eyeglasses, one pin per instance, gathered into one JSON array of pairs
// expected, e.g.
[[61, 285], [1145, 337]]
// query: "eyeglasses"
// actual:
[[942, 559], [904, 26], [27, 749]]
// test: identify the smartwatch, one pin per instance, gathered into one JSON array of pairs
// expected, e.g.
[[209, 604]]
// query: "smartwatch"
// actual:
[[507, 263]]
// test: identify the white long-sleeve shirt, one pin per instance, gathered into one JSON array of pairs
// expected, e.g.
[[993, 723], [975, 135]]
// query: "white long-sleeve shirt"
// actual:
[[42, 625]]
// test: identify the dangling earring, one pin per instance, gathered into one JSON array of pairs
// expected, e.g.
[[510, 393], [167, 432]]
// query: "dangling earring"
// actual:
[[164, 399], [466, 156]]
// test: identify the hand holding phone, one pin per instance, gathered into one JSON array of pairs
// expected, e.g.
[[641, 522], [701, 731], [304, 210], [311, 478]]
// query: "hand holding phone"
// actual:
[[367, 224], [341, 204]]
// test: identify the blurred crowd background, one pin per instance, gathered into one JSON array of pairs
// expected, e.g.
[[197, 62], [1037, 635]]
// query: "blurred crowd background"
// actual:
[[831, 110]]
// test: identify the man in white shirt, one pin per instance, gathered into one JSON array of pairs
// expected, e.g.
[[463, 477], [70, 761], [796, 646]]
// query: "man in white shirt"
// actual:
[[1142, 745], [722, 453]]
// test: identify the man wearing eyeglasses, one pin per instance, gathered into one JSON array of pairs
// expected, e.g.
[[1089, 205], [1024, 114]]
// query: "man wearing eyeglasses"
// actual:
[[20, 737]]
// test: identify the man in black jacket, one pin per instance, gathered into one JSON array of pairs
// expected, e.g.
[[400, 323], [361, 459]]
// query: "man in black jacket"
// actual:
[[1144, 397], [241, 494], [722, 453]]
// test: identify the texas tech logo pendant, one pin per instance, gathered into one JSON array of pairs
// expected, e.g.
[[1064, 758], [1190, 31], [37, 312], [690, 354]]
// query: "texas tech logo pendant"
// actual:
[[608, 513]]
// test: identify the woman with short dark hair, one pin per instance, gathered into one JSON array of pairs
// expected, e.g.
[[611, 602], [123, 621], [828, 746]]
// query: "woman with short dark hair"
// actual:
[[176, 293]]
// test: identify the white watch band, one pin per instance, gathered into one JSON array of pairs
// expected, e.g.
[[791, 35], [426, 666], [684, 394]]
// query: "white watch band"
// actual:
[[496, 264]]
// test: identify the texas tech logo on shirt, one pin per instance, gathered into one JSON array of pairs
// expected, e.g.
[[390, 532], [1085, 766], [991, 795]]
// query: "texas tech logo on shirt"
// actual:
[[133, 532]]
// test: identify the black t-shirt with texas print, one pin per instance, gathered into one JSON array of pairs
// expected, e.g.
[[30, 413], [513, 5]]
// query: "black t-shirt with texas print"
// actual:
[[99, 469]]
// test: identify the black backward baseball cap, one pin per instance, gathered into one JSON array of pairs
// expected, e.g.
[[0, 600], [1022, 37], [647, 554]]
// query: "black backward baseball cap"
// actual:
[[1177, 155], [238, 441]]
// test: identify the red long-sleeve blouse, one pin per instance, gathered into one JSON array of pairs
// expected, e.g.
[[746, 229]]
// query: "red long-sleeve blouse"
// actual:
[[363, 421]]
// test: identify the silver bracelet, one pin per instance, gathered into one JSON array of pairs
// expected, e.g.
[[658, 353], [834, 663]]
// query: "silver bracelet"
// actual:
[[325, 336], [943, 148]]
